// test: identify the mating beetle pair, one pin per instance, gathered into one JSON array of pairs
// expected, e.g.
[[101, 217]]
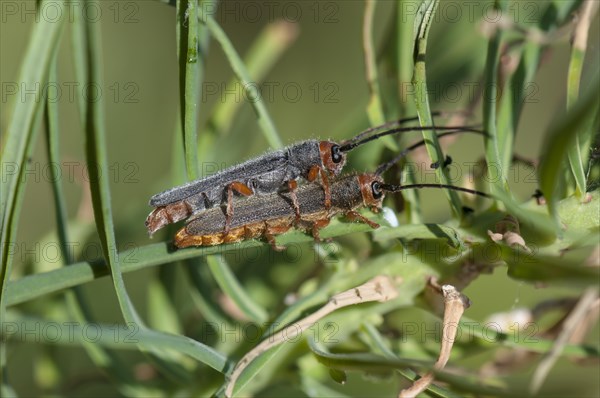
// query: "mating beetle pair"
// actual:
[[275, 203]]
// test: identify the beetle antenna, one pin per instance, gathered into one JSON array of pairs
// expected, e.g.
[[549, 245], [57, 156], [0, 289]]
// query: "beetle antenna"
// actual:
[[400, 122], [392, 124], [353, 144], [398, 188], [386, 166]]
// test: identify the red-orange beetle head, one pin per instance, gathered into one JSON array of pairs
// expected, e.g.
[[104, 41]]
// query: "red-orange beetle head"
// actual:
[[372, 193], [332, 157]]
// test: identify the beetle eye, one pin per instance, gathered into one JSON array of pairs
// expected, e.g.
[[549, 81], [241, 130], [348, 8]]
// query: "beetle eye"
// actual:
[[336, 156], [376, 189]]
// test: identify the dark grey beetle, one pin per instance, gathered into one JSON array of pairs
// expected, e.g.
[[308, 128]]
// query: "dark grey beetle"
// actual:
[[272, 172], [274, 214]]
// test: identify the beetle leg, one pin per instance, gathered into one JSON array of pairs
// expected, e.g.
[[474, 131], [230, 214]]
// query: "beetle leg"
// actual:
[[240, 188], [271, 231], [353, 215], [317, 225], [168, 214], [313, 173], [292, 186], [326, 188]]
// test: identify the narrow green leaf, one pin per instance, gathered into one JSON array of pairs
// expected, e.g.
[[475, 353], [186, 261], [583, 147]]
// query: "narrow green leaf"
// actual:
[[576, 164], [287, 316], [420, 232], [163, 314], [363, 361], [7, 391], [375, 105], [126, 337], [540, 222], [97, 161], [52, 145], [412, 271], [202, 294], [561, 138], [377, 342], [405, 64], [315, 388], [491, 336], [193, 65], [264, 53], [375, 109], [232, 288], [136, 258], [18, 146], [19, 141], [496, 169], [42, 46], [367, 362], [76, 301], [405, 24], [549, 268], [264, 120], [12, 222], [573, 80], [423, 22]]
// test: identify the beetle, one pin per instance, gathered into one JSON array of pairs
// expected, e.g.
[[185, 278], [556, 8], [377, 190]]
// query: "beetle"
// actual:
[[274, 214], [274, 171]]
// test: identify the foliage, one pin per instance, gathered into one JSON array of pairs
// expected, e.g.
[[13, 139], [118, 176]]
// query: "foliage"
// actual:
[[197, 297]]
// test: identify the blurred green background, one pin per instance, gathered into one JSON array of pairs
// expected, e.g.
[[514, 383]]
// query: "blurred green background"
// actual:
[[318, 91]]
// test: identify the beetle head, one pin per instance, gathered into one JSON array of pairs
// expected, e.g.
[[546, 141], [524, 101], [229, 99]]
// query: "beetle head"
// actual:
[[332, 157], [371, 190]]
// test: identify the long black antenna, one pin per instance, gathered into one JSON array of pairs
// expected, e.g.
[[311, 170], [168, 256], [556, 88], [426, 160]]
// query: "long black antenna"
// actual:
[[388, 125], [398, 188], [400, 122], [386, 166], [353, 144]]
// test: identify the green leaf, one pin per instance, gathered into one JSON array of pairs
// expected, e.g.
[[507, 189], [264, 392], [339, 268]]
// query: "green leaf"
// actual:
[[491, 336], [202, 296], [533, 218], [561, 138], [574, 76], [568, 269], [12, 222], [266, 50], [125, 337], [494, 161], [19, 142], [97, 161], [264, 120], [377, 343], [232, 288], [420, 232], [367, 362], [191, 62], [375, 105], [75, 300], [423, 22], [34, 73], [580, 217], [21, 137]]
